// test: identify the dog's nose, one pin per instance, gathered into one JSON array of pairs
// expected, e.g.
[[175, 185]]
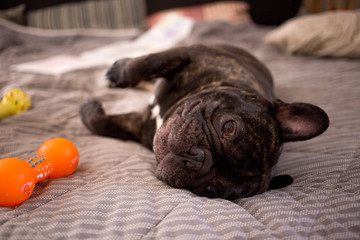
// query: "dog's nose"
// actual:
[[197, 154], [194, 158]]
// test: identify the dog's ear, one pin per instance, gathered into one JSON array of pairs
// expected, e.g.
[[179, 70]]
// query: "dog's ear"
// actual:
[[280, 181], [300, 121]]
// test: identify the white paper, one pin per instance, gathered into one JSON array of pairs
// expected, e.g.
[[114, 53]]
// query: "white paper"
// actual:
[[162, 36], [55, 65]]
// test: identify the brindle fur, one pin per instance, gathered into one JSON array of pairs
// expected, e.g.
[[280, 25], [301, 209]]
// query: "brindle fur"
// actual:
[[202, 89]]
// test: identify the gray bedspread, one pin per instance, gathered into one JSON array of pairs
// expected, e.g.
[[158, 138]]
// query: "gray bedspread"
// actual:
[[114, 194]]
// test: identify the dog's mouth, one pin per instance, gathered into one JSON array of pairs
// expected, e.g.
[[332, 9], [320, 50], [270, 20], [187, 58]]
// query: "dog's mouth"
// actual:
[[217, 183], [183, 148]]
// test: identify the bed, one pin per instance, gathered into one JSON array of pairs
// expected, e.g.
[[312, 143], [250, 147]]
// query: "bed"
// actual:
[[114, 194]]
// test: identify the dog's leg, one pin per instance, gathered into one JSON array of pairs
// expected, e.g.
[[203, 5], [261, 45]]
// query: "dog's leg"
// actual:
[[131, 126], [129, 72], [138, 127]]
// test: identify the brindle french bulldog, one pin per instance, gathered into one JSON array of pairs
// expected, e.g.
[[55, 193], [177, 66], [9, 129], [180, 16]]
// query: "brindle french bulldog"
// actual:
[[214, 125]]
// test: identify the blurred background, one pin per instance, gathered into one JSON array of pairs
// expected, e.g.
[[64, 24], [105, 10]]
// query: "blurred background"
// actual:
[[142, 14]]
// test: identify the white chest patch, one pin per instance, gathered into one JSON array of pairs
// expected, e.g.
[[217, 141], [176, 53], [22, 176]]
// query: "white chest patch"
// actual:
[[152, 100], [155, 114]]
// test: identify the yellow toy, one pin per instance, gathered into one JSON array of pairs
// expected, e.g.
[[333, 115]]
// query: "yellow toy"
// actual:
[[14, 101]]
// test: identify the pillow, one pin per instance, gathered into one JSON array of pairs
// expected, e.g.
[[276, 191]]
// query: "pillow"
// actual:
[[230, 11], [104, 14], [329, 34]]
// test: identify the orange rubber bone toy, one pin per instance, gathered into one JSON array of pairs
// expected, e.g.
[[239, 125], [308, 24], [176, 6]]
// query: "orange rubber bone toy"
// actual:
[[56, 158]]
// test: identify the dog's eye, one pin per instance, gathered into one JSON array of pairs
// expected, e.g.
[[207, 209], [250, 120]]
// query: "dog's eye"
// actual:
[[228, 129], [209, 192]]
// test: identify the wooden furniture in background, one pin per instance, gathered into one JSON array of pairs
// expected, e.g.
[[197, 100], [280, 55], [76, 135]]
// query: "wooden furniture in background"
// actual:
[[316, 6]]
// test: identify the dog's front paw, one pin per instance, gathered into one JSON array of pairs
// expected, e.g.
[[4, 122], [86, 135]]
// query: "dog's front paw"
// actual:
[[91, 112], [117, 74]]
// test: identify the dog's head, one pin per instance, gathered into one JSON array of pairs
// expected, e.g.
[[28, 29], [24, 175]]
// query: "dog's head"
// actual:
[[224, 144]]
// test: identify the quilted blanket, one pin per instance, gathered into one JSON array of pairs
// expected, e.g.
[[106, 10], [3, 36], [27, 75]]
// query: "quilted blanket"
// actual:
[[114, 194]]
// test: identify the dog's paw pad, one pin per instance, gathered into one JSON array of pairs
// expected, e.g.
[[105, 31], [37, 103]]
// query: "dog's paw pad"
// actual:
[[91, 110], [116, 74]]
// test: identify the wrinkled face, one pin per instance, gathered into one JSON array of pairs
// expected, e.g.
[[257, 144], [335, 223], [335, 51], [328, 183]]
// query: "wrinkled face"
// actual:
[[223, 145]]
